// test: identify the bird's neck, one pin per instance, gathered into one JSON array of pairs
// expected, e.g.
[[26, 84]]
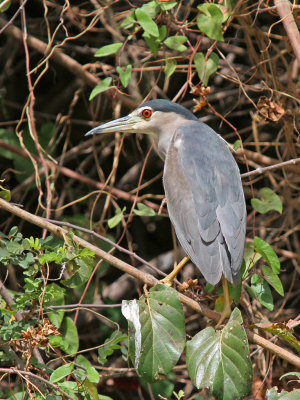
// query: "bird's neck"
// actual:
[[162, 142]]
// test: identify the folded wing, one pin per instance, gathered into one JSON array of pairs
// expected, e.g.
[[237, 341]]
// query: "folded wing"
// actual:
[[206, 205]]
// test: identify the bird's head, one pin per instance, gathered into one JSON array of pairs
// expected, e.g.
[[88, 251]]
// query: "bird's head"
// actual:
[[156, 118]]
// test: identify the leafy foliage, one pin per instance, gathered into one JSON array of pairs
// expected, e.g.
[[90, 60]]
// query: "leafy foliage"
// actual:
[[219, 360], [156, 331]]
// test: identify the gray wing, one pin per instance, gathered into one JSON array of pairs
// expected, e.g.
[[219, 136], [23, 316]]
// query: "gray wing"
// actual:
[[205, 201]]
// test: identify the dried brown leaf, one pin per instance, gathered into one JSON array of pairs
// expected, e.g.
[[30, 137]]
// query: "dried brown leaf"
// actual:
[[269, 110]]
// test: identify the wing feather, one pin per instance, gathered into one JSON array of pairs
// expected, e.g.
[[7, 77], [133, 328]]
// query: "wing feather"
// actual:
[[206, 205]]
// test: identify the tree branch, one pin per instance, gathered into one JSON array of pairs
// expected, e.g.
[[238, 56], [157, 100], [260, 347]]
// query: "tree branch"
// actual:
[[63, 59], [144, 277], [284, 9], [261, 170]]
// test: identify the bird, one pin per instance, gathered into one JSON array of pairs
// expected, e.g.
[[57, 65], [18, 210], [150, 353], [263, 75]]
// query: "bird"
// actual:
[[203, 188]]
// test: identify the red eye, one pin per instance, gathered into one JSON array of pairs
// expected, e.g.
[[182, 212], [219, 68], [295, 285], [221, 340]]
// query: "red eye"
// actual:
[[147, 113]]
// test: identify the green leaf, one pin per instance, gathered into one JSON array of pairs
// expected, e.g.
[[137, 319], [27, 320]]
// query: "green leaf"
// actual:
[[170, 68], [272, 279], [151, 8], [114, 221], [70, 341], [165, 6], [5, 193], [161, 389], [5, 7], [146, 22], [56, 316], [251, 257], [234, 292], [108, 49], [144, 211], [272, 394], [128, 21], [176, 43], [153, 42], [260, 290], [206, 69], [61, 372], [124, 75], [219, 360], [210, 22], [237, 144], [284, 332], [209, 288], [156, 331], [268, 254], [90, 372], [80, 269], [91, 389], [102, 87], [270, 201], [111, 344]]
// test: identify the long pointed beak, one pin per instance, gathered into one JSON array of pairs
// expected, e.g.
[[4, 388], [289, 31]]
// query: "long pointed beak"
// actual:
[[124, 124]]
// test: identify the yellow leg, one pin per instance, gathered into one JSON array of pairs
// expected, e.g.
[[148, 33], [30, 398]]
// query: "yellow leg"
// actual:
[[227, 309], [168, 280]]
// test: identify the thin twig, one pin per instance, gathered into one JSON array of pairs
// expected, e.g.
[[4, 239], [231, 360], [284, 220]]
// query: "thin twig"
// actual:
[[261, 170], [32, 375]]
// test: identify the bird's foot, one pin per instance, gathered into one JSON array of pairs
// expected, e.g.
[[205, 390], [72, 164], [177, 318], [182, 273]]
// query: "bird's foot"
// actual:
[[168, 280], [224, 314]]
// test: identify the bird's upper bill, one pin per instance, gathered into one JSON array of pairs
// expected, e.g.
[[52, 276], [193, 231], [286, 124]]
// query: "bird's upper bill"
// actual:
[[124, 124]]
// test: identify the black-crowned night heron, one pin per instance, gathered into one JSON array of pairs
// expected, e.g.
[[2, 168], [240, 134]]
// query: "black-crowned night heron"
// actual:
[[203, 187]]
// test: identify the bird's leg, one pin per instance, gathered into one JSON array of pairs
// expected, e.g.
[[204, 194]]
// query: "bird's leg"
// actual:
[[227, 309], [168, 280]]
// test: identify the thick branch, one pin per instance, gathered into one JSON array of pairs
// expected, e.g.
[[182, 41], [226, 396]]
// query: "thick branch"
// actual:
[[144, 277]]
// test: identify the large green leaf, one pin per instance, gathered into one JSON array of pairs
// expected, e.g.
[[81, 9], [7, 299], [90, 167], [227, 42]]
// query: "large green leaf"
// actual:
[[156, 331], [270, 201], [219, 360], [268, 254]]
